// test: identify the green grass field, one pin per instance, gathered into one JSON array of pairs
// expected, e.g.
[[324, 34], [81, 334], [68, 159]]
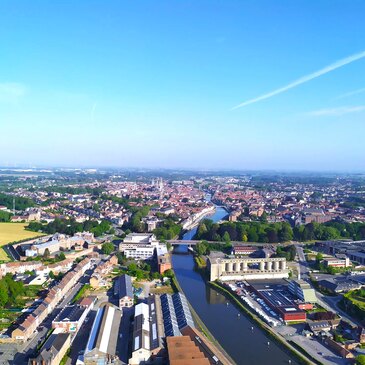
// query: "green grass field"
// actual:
[[12, 232]]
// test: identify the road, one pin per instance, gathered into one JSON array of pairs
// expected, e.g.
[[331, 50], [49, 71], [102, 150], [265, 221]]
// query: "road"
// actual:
[[303, 264], [330, 303]]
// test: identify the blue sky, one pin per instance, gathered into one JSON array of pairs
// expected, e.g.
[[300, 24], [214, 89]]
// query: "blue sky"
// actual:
[[153, 84]]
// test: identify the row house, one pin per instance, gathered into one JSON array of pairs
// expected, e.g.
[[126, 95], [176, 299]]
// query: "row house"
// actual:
[[53, 297]]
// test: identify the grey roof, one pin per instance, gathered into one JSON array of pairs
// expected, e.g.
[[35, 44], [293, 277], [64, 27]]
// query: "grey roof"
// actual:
[[70, 313], [123, 286], [51, 348], [104, 327], [145, 329]]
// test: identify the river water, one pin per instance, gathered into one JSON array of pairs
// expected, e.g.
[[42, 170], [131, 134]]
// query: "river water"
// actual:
[[246, 343]]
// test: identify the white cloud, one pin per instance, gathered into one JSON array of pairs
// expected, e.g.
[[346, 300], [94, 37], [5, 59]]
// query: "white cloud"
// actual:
[[351, 93], [335, 112], [11, 92], [304, 79]]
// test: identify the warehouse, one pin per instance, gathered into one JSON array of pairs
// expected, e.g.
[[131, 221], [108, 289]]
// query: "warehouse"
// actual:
[[277, 296], [102, 342], [147, 341]]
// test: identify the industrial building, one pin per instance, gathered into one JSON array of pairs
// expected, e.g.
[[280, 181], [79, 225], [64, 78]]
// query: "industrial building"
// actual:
[[277, 296], [182, 350], [123, 291], [176, 313], [245, 268], [147, 337], [303, 291], [102, 342]]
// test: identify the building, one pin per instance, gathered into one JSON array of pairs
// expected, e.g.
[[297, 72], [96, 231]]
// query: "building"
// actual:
[[210, 351], [123, 291], [53, 350], [291, 314], [338, 285], [164, 263], [102, 343], [140, 238], [245, 268], [337, 262], [176, 313], [303, 291], [182, 350], [25, 329], [58, 242], [358, 256], [241, 250], [139, 246], [314, 215], [139, 252], [71, 317], [147, 340]]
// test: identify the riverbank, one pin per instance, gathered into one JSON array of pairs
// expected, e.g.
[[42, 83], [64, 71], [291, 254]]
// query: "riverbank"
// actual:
[[201, 326], [301, 355], [193, 221]]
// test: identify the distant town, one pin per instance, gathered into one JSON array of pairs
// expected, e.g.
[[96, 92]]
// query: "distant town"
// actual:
[[100, 266]]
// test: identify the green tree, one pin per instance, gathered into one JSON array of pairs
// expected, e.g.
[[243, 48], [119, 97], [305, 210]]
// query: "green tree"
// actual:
[[201, 248], [107, 248], [226, 237], [4, 297], [46, 253], [286, 232], [360, 359]]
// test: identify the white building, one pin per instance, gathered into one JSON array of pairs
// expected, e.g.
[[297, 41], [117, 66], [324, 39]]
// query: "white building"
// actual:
[[139, 246]]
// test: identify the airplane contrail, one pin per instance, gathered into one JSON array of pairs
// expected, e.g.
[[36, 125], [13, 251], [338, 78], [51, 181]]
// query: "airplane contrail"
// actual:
[[352, 93], [92, 113], [302, 80]]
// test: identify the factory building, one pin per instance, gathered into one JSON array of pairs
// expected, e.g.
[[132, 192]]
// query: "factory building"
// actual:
[[176, 313], [194, 349], [147, 340], [102, 342], [303, 291]]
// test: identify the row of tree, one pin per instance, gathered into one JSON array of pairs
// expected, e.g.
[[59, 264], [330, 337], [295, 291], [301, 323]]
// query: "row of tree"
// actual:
[[20, 203], [277, 232], [244, 231], [70, 227]]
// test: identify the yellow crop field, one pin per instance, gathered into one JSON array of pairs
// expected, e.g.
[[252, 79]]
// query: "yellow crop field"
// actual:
[[11, 232]]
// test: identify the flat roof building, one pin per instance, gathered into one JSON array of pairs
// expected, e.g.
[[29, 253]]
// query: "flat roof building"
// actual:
[[302, 290], [71, 318]]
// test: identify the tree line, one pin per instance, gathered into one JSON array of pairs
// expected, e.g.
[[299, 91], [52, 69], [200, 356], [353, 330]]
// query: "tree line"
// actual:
[[277, 232], [70, 227], [20, 202]]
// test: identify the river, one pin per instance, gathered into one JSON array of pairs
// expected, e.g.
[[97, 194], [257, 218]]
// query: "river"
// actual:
[[246, 343]]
